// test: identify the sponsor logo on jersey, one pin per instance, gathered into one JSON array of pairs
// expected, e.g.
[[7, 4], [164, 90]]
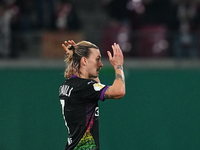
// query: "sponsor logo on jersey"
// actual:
[[98, 86]]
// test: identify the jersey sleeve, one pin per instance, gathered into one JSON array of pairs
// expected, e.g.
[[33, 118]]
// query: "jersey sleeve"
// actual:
[[94, 91]]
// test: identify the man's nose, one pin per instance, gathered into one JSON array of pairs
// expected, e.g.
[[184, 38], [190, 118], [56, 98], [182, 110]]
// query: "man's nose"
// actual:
[[101, 64]]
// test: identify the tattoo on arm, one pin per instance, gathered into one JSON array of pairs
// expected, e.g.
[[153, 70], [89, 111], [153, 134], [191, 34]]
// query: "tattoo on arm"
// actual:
[[118, 76], [106, 96], [119, 67]]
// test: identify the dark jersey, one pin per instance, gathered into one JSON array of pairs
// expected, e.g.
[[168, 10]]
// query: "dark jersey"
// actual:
[[79, 99]]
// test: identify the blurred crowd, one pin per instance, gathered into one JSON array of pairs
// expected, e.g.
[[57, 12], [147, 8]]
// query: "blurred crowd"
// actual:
[[22, 16], [143, 28], [159, 28]]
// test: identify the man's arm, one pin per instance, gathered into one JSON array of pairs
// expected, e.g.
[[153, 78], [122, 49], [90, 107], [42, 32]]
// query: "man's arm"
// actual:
[[117, 90]]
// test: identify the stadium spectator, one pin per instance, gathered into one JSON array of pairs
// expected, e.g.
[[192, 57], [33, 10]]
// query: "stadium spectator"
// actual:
[[66, 17], [185, 24], [5, 29]]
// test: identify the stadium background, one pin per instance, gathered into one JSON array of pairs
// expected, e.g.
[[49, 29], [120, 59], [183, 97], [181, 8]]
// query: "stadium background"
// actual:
[[160, 110]]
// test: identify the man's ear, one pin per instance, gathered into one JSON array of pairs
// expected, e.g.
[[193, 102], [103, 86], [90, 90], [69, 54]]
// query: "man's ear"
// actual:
[[84, 61]]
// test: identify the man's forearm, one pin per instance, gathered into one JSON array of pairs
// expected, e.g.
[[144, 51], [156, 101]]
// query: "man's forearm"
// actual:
[[119, 73]]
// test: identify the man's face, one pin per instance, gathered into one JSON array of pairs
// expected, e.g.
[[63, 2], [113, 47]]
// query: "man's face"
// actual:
[[94, 63]]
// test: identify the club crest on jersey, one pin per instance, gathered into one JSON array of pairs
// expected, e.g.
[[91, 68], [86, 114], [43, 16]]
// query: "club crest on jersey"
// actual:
[[98, 86]]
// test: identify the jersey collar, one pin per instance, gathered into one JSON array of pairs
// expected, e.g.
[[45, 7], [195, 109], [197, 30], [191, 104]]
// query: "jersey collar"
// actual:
[[73, 76]]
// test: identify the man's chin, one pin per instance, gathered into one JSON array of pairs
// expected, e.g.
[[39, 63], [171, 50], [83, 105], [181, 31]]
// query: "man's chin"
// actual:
[[94, 76]]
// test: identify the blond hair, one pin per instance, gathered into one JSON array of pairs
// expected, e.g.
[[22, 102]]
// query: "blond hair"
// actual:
[[81, 49]]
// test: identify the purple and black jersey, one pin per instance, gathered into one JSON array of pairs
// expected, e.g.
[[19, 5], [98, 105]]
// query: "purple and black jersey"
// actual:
[[79, 99]]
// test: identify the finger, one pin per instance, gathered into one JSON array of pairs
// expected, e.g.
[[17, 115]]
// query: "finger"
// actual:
[[109, 55], [66, 43], [70, 42], [114, 49], [65, 48], [73, 43], [119, 49], [121, 52], [63, 45]]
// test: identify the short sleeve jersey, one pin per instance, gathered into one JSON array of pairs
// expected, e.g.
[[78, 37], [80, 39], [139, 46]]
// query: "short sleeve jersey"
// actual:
[[79, 99]]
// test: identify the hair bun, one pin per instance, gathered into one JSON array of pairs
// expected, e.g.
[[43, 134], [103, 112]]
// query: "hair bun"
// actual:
[[71, 47]]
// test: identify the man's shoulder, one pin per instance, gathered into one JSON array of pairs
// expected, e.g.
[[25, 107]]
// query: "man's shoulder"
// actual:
[[79, 82]]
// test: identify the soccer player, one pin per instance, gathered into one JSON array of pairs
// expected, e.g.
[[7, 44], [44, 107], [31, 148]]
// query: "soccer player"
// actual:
[[80, 92]]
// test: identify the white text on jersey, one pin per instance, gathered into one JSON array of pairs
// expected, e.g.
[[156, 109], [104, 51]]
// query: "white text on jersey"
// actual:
[[65, 90]]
